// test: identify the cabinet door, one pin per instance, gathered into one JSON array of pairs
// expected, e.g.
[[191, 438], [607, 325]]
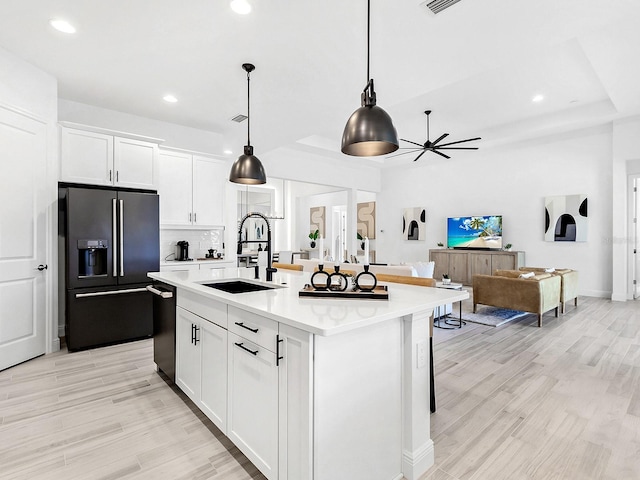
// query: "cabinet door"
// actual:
[[188, 353], [503, 262], [214, 374], [253, 404], [480, 264], [296, 405], [86, 157], [209, 183], [441, 261], [175, 188], [135, 163], [458, 268]]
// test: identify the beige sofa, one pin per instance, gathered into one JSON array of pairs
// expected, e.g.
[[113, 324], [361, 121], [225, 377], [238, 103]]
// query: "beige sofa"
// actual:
[[568, 283], [506, 289]]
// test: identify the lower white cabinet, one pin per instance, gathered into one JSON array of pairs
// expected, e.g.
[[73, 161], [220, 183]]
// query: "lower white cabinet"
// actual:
[[253, 403], [201, 364], [254, 381]]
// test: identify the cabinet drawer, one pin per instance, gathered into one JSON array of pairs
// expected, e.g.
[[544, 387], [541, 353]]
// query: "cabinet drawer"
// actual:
[[211, 310], [255, 328]]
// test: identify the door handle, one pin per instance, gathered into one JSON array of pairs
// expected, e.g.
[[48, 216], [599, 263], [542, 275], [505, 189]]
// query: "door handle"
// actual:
[[160, 293], [114, 226], [121, 238], [110, 292], [42, 267]]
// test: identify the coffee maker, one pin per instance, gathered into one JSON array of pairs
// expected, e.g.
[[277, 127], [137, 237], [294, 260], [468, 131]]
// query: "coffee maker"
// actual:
[[183, 251]]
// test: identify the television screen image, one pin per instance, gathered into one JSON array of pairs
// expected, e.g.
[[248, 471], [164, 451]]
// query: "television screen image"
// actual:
[[475, 232]]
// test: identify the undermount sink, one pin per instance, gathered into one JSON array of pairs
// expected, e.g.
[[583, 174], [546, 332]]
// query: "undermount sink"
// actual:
[[238, 286]]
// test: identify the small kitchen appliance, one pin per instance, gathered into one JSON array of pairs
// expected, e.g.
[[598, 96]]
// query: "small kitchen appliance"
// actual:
[[183, 251]]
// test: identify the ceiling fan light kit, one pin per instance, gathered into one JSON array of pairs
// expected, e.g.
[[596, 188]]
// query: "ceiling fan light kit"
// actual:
[[434, 146], [369, 132], [248, 169]]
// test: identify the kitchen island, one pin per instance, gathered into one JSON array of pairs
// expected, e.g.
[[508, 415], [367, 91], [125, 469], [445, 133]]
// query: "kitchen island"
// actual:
[[310, 388]]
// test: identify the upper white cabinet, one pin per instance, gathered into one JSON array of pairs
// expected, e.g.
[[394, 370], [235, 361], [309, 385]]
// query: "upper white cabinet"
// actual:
[[192, 189], [96, 157]]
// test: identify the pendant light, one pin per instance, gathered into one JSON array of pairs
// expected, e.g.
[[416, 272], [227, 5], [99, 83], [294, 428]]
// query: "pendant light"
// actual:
[[248, 169], [369, 131]]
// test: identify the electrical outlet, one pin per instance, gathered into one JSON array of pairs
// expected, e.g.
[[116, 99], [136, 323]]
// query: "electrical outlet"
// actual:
[[421, 353]]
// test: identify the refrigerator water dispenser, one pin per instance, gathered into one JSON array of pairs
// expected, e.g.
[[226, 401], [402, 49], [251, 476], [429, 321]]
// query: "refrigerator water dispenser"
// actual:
[[92, 258]]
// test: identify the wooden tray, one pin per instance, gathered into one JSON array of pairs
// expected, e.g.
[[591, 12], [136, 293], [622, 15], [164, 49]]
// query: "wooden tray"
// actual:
[[378, 293]]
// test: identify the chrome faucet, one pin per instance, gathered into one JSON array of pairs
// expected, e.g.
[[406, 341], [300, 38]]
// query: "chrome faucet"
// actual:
[[270, 269]]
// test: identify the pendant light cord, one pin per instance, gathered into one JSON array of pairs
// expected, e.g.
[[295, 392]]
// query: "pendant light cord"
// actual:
[[248, 110], [368, 37]]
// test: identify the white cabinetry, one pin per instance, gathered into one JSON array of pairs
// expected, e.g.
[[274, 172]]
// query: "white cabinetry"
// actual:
[[95, 157], [201, 356], [253, 378], [253, 388], [192, 189]]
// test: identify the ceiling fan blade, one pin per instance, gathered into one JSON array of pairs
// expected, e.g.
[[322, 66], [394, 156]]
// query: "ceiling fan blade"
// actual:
[[422, 153], [439, 138], [460, 141], [409, 141], [457, 148], [440, 153], [402, 153]]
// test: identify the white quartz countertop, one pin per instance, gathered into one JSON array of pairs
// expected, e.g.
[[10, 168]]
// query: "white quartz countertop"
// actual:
[[197, 261], [320, 316]]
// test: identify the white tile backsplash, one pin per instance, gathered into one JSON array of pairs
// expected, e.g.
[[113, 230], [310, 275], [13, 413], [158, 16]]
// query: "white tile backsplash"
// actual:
[[200, 241]]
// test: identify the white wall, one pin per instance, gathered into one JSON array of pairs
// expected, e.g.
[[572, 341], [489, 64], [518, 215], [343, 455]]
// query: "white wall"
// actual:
[[511, 181], [626, 153], [173, 135]]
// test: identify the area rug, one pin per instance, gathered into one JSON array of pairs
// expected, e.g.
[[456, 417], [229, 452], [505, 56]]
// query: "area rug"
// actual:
[[492, 316]]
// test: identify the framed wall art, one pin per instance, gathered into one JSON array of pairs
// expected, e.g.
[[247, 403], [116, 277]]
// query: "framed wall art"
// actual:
[[414, 221], [565, 218]]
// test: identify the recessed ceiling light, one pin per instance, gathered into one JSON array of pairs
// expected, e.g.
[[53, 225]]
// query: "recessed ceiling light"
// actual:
[[62, 25], [241, 7], [228, 152], [537, 98], [170, 99]]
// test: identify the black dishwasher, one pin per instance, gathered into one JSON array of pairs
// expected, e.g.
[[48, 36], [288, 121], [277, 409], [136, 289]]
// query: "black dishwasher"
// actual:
[[164, 328]]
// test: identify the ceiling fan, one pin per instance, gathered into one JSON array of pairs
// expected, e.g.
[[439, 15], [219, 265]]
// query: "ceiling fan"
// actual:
[[434, 146]]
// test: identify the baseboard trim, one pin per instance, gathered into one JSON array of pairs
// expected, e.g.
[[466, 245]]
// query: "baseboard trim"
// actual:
[[55, 345], [415, 464]]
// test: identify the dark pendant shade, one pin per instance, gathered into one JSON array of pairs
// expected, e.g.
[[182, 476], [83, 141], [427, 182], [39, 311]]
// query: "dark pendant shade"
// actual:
[[369, 132], [248, 169]]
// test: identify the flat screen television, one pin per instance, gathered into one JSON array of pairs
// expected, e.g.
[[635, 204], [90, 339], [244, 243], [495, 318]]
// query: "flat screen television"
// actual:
[[479, 232]]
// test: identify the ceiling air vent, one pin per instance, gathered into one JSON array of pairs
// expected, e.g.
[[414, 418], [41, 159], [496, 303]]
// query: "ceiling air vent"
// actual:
[[239, 118], [436, 6]]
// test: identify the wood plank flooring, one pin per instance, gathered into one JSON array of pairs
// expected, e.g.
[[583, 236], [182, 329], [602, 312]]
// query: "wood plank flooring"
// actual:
[[514, 402], [106, 414], [557, 402]]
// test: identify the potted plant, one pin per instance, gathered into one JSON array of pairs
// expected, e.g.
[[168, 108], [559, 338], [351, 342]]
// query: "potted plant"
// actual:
[[314, 236], [361, 241], [507, 247], [440, 244], [445, 279]]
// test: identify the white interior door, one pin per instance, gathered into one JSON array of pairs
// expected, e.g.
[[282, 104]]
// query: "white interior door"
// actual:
[[23, 213]]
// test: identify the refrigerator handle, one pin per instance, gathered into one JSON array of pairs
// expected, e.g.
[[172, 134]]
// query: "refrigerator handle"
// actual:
[[114, 239], [121, 247]]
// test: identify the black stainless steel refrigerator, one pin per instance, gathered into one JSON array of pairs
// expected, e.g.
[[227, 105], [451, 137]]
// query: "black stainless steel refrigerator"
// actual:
[[111, 242]]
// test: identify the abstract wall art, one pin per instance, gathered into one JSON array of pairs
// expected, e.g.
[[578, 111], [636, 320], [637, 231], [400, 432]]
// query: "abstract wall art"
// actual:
[[366, 213], [316, 220], [565, 218], [414, 221]]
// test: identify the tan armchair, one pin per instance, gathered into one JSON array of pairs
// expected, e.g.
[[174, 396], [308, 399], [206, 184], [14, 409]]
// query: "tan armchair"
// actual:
[[505, 289], [568, 283]]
